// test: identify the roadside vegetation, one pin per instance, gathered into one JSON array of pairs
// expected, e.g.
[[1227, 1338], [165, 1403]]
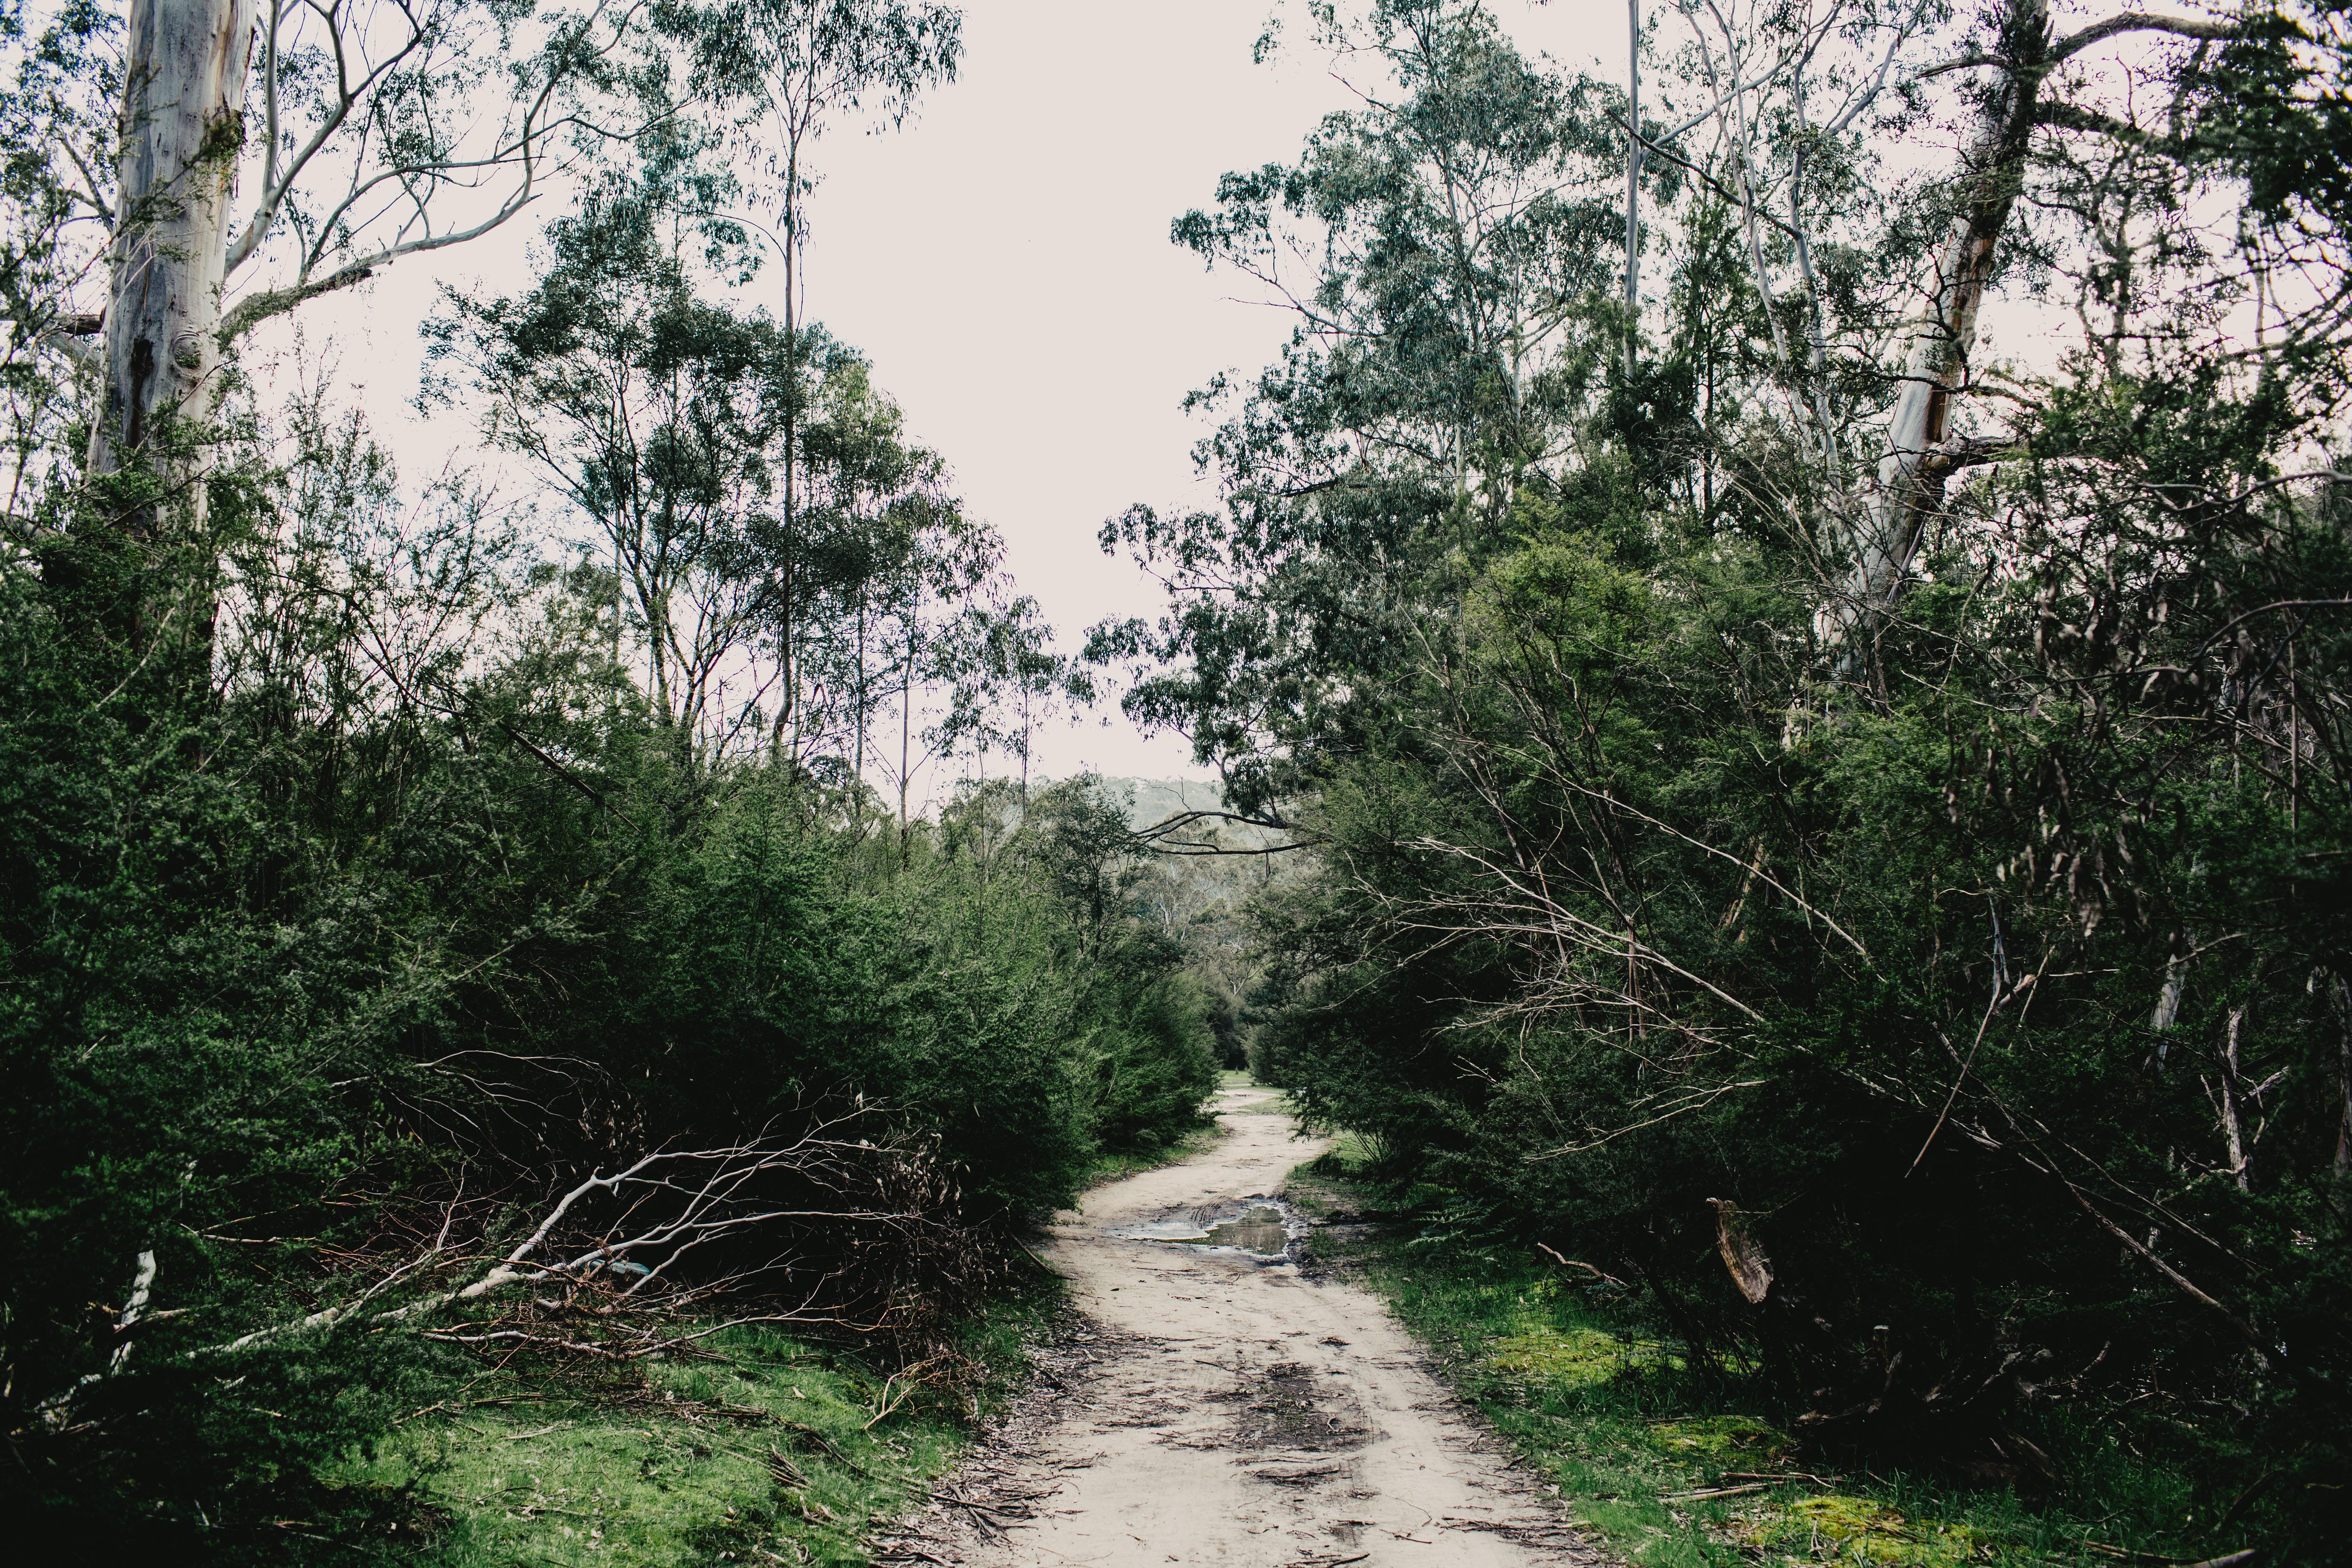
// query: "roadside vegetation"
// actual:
[[1806, 657], [1674, 1465], [752, 1446]]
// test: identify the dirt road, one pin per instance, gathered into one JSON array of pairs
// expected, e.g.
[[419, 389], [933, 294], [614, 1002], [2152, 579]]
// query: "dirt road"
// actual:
[[1216, 1407]]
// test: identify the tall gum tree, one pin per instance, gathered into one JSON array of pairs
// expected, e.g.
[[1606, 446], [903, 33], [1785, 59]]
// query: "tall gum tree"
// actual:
[[181, 129], [379, 134], [1786, 91], [1931, 362], [781, 71]]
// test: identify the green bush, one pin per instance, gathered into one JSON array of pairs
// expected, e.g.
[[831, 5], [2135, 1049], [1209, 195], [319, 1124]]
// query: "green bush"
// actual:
[[1156, 1064], [295, 980]]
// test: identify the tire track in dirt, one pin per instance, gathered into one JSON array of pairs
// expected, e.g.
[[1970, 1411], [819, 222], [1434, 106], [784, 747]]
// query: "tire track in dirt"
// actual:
[[1208, 1407]]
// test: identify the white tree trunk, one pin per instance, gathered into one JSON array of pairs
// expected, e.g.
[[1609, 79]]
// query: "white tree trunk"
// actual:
[[184, 70], [1632, 180], [1934, 355]]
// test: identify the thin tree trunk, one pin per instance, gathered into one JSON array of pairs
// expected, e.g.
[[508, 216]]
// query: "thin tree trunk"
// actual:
[[1817, 342], [1632, 179], [858, 761], [1743, 147], [1935, 352], [906, 738], [787, 704], [2341, 996]]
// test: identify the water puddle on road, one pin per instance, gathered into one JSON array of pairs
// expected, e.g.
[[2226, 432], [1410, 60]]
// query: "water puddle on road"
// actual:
[[1261, 1230]]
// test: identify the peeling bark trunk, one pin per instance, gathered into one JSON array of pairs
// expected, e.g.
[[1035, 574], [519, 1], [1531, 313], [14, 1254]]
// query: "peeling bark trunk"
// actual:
[[1935, 354], [1750, 1269], [2340, 995], [183, 122], [2231, 1138]]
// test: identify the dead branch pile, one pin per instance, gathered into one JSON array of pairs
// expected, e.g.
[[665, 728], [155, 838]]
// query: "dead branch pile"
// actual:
[[852, 1225]]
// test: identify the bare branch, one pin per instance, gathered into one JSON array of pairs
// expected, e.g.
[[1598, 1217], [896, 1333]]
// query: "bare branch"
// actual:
[[256, 308], [2142, 22]]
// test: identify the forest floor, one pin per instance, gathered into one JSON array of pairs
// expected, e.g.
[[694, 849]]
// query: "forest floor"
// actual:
[[1214, 1403]]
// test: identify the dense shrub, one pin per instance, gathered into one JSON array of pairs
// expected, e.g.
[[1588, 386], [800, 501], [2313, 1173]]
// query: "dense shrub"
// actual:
[[295, 979]]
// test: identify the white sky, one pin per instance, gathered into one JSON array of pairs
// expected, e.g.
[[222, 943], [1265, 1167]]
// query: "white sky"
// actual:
[[1004, 261]]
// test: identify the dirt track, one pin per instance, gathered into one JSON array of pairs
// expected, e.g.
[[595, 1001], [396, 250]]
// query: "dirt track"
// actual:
[[1214, 1408]]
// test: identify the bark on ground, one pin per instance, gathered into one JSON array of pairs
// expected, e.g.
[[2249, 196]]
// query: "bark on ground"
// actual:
[[1207, 1407]]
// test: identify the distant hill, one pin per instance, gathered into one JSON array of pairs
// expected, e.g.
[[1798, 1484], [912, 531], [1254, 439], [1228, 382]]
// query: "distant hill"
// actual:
[[1156, 800], [1152, 801]]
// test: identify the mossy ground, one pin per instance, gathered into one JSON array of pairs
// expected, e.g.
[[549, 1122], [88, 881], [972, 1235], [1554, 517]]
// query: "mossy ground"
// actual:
[[1839, 1528], [757, 1448], [1634, 1440]]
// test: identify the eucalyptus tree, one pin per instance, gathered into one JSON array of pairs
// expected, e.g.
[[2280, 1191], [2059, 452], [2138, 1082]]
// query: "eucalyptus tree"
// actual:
[[886, 535], [1802, 108], [777, 73], [1446, 252], [188, 142], [932, 636], [378, 133], [2021, 99], [657, 415], [1001, 678], [663, 419]]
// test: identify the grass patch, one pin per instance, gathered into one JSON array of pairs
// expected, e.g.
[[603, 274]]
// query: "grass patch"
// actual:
[[1538, 1353], [1674, 1469], [761, 1448], [1856, 1530]]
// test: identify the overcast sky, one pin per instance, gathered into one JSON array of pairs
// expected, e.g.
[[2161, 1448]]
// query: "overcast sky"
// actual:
[[1004, 261]]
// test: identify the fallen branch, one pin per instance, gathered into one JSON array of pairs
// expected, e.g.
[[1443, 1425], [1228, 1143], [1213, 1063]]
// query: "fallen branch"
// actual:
[[1572, 1262], [848, 1226]]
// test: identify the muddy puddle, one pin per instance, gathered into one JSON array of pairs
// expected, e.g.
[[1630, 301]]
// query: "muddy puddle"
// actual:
[[1263, 1230]]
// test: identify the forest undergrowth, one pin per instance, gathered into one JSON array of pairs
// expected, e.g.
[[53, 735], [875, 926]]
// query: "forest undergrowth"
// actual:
[[1673, 1464]]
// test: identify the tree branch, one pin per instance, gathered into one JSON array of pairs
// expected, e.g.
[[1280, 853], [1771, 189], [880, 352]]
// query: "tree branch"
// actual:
[[256, 308], [2142, 22]]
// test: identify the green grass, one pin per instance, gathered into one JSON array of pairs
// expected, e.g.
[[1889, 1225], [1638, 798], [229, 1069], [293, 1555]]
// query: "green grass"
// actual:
[[761, 1448], [1592, 1402]]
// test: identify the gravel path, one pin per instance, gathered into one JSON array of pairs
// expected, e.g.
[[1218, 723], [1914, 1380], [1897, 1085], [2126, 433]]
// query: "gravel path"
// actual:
[[1212, 1406]]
